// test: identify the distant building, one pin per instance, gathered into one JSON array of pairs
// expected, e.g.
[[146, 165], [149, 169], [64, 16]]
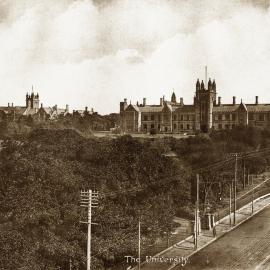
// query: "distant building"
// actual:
[[37, 111], [205, 114]]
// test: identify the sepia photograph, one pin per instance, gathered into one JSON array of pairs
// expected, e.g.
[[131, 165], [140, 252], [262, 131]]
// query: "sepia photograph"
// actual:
[[135, 135]]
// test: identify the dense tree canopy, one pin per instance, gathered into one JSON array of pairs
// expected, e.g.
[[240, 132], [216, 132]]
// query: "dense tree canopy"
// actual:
[[41, 176]]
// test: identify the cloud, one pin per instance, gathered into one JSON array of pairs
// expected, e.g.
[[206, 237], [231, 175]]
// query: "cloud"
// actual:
[[95, 53]]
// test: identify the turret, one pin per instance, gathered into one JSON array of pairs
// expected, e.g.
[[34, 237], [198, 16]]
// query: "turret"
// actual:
[[198, 86], [32, 101], [214, 85], [209, 85], [173, 98], [202, 85]]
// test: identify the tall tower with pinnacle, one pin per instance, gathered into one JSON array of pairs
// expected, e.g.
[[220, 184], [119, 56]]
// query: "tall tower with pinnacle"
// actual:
[[204, 101]]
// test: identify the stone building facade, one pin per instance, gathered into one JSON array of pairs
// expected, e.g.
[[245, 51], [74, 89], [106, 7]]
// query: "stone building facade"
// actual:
[[205, 114]]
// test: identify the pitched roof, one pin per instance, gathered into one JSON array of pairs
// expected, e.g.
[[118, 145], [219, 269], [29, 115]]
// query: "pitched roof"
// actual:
[[186, 108], [248, 107], [150, 108], [258, 107], [225, 108], [30, 111], [16, 109]]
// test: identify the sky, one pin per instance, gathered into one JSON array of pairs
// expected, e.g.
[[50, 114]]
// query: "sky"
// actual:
[[95, 53]]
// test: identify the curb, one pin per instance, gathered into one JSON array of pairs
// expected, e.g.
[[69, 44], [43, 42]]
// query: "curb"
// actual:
[[229, 230]]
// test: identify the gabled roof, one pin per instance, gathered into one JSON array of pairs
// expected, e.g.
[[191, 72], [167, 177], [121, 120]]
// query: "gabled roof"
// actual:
[[242, 106], [16, 109], [30, 111], [131, 107]]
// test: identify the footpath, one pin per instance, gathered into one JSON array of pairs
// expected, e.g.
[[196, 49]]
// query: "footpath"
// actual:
[[180, 252]]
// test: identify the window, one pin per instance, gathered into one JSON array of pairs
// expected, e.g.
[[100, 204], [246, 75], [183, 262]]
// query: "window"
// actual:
[[227, 126], [187, 117], [187, 126], [174, 117], [261, 117], [159, 117], [152, 126], [233, 117], [181, 126], [145, 127], [233, 125], [181, 117], [219, 126], [220, 117], [227, 116], [152, 117], [158, 126], [174, 127], [145, 118], [250, 116]]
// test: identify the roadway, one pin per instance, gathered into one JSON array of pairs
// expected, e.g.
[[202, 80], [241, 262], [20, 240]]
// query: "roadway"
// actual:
[[246, 247]]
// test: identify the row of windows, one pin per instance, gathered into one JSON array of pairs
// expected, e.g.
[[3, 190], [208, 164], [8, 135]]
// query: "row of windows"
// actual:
[[152, 117], [227, 126], [180, 117], [181, 127], [251, 116], [259, 117], [227, 116]]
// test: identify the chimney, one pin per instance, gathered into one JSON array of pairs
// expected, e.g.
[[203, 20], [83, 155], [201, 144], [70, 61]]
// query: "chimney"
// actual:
[[8, 104], [12, 104], [41, 105], [161, 101], [181, 101], [86, 109], [234, 100], [67, 108], [219, 101], [144, 101], [256, 100], [125, 100]]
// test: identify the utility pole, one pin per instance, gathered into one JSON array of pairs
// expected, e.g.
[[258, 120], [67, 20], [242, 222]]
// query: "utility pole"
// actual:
[[230, 206], [139, 246], [252, 194], [235, 181], [198, 199], [244, 182], [89, 199], [195, 227], [70, 264]]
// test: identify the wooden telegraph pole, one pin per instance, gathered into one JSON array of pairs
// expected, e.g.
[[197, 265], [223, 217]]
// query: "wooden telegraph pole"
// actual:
[[89, 199], [235, 181], [198, 208], [139, 246], [230, 185]]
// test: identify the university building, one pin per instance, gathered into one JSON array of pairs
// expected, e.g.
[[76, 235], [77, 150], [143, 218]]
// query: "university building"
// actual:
[[206, 113], [37, 111]]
